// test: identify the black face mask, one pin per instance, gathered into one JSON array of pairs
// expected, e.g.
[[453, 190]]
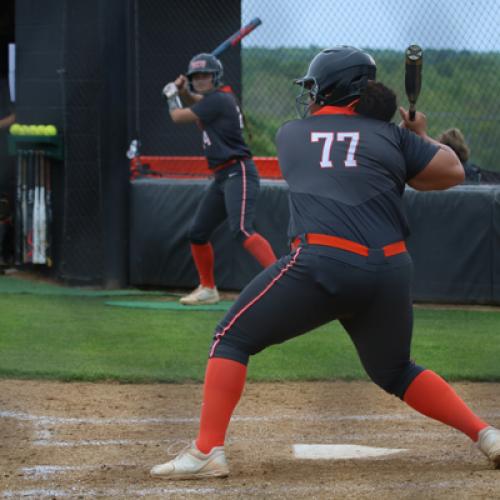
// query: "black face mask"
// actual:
[[305, 98]]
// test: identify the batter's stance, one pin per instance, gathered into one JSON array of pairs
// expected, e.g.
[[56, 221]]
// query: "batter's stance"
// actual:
[[346, 166], [233, 192]]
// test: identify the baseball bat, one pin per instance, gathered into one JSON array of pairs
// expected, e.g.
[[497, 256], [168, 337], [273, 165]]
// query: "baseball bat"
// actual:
[[36, 212], [236, 37], [43, 211], [48, 209], [24, 205], [18, 228], [413, 75], [31, 203]]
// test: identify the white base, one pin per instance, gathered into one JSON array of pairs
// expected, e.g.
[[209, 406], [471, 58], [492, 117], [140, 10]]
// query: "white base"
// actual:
[[340, 451]]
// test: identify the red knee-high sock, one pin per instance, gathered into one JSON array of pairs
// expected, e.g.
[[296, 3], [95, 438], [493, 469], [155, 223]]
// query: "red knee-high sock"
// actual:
[[224, 382], [260, 248], [203, 256], [430, 395]]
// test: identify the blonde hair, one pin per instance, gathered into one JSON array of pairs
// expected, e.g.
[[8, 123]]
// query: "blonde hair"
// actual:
[[454, 138]]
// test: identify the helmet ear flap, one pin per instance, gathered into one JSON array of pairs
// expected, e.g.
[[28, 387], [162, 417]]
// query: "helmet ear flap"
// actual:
[[312, 88]]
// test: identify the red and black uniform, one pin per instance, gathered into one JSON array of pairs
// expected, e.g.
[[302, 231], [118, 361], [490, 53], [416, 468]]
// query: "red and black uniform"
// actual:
[[235, 187], [346, 175]]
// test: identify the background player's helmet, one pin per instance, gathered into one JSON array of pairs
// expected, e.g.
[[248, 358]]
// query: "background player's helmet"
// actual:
[[336, 76], [205, 63]]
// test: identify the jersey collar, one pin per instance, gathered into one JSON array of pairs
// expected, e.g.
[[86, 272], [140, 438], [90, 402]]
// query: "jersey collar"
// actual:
[[338, 110]]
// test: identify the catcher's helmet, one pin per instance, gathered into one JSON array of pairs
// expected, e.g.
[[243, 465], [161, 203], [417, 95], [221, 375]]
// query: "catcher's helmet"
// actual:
[[205, 63], [336, 76]]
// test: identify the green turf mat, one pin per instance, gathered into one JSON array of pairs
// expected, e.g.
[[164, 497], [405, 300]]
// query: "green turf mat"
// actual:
[[16, 285], [224, 305]]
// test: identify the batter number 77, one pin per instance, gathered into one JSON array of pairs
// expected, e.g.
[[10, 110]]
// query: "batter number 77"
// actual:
[[329, 138]]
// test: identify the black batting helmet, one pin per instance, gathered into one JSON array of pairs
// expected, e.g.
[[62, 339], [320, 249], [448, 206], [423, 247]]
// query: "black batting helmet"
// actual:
[[336, 76], [205, 63]]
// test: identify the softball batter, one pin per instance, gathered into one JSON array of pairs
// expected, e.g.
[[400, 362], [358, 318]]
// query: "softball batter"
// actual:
[[346, 165], [235, 187]]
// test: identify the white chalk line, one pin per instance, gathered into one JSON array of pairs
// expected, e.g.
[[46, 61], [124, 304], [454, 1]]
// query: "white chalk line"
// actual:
[[50, 442], [43, 434], [129, 442], [51, 420], [337, 488], [45, 471], [98, 442], [47, 420]]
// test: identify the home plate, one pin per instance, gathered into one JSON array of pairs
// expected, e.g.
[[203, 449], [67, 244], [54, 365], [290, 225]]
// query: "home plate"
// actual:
[[340, 451]]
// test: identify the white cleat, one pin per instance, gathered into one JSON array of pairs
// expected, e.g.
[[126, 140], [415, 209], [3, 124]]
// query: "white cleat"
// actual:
[[202, 295], [193, 464], [489, 444]]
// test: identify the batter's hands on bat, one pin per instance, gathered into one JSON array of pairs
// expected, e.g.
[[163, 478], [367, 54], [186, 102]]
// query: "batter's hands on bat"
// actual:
[[418, 125], [182, 84], [170, 90]]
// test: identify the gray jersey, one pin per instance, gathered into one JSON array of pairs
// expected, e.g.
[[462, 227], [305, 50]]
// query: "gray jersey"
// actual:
[[347, 175]]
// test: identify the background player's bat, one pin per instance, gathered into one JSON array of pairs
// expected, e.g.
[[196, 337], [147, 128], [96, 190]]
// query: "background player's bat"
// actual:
[[413, 75], [18, 227], [236, 37], [30, 176], [24, 205], [48, 209], [36, 212], [43, 211]]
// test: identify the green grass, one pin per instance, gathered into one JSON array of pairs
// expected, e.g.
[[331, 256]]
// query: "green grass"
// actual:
[[80, 338]]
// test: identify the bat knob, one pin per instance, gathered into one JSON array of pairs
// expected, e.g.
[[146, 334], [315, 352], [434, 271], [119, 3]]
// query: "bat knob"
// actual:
[[414, 52]]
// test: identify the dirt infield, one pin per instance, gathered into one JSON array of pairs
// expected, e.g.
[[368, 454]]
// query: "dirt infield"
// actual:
[[80, 440]]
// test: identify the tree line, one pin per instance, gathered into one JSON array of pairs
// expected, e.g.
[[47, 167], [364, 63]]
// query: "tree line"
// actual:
[[459, 89]]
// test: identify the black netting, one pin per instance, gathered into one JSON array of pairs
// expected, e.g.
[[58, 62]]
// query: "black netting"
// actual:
[[166, 36]]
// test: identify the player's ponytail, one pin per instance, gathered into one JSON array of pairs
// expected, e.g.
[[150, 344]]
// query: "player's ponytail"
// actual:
[[377, 101]]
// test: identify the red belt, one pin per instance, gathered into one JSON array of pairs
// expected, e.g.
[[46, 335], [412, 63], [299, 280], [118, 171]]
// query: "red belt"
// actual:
[[348, 245], [227, 163]]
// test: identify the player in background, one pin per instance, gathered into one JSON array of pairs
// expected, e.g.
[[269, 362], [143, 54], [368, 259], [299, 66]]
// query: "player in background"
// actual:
[[233, 192], [346, 165]]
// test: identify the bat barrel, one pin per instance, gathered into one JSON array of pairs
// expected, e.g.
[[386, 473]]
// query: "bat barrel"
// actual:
[[236, 37], [413, 76]]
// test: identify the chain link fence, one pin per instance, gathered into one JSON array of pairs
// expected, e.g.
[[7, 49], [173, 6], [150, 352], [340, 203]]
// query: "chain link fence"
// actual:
[[461, 71]]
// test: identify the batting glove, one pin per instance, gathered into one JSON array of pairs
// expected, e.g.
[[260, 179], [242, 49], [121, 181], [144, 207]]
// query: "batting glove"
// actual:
[[170, 90]]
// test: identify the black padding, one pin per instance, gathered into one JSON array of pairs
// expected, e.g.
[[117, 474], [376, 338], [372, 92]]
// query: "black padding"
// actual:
[[454, 241]]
